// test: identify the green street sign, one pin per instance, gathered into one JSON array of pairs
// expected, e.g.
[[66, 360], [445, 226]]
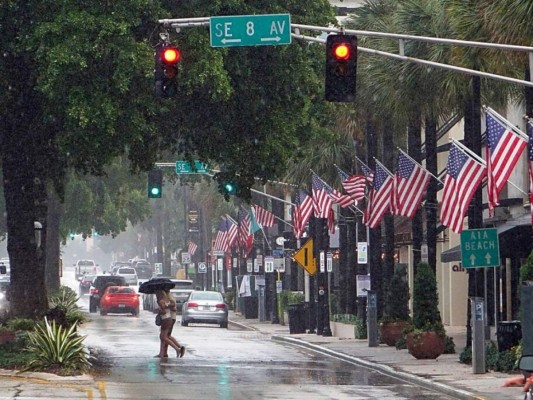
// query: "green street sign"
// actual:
[[250, 30], [184, 167], [480, 248]]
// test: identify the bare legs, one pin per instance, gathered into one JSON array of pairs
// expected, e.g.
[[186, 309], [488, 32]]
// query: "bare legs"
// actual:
[[167, 340]]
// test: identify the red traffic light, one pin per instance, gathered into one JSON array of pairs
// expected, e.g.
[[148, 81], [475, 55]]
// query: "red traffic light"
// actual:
[[170, 55], [342, 51]]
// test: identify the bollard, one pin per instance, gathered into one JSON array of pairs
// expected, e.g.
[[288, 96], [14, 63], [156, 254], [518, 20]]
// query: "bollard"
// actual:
[[478, 335], [372, 318]]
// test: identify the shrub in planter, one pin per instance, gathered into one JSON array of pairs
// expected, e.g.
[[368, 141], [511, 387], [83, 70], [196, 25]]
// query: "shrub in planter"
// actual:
[[427, 338], [396, 316], [526, 269]]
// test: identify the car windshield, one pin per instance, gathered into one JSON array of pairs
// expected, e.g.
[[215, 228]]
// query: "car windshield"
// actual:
[[206, 296], [85, 263], [127, 271], [88, 277], [183, 285]]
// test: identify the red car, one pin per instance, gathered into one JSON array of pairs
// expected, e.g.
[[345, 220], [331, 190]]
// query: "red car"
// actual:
[[119, 299]]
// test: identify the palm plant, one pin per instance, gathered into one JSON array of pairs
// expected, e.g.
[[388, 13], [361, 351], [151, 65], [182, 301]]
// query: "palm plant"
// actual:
[[52, 346]]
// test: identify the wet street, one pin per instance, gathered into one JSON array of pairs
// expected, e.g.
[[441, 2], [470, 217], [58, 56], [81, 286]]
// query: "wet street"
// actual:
[[220, 364]]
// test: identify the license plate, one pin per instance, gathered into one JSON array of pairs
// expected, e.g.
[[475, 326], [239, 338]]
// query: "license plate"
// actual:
[[200, 307], [212, 308], [121, 305]]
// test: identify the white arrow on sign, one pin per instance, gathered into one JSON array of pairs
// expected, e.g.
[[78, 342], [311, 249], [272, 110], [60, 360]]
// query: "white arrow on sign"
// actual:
[[488, 258], [272, 39], [230, 41], [472, 260]]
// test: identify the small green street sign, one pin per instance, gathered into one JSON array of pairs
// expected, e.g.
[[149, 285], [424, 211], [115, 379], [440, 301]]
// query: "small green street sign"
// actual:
[[480, 248], [184, 167], [250, 30]]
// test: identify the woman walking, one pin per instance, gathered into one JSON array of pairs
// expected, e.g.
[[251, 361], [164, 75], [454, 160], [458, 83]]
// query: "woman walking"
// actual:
[[168, 312]]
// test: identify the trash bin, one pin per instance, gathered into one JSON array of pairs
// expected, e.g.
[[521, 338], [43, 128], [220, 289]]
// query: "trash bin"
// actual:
[[509, 334], [297, 317]]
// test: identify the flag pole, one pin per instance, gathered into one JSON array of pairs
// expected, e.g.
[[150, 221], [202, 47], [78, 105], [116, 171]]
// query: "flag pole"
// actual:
[[465, 149], [505, 122], [417, 163], [383, 167]]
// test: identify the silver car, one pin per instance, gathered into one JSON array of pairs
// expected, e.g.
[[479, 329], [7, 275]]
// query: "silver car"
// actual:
[[129, 274], [206, 308]]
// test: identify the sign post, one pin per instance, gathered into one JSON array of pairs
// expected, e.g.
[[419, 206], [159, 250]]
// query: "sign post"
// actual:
[[250, 30], [480, 248]]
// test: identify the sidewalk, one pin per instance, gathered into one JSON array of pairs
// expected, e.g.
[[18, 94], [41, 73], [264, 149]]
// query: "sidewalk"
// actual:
[[445, 374]]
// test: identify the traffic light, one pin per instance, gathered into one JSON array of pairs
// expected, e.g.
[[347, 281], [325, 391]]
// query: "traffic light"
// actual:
[[155, 183], [167, 58], [341, 66], [229, 187]]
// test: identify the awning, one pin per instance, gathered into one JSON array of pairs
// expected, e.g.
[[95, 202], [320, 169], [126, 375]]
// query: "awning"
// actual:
[[454, 254]]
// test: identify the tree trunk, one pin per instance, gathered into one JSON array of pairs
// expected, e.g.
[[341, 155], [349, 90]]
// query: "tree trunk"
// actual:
[[344, 261], [431, 195], [55, 211], [352, 267], [27, 293], [388, 262]]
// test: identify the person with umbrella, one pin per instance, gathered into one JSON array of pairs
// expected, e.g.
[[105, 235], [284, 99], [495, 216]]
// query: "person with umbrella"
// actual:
[[167, 310]]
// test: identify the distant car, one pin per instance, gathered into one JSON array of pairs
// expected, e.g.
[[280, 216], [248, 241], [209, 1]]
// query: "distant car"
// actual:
[[180, 292], [116, 265], [85, 284], [129, 274], [145, 270], [85, 267], [205, 307], [119, 299], [98, 286]]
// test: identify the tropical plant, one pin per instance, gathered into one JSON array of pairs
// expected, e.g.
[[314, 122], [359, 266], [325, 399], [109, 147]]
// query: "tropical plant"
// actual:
[[52, 346], [21, 324], [526, 269], [396, 306], [426, 314]]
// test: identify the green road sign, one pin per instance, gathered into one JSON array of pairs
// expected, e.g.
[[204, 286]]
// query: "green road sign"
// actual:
[[184, 167], [250, 30], [480, 248]]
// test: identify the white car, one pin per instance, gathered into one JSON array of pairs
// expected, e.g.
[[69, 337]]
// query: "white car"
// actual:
[[129, 274]]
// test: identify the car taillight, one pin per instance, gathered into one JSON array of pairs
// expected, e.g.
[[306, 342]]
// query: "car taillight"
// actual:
[[221, 306], [192, 305], [94, 291]]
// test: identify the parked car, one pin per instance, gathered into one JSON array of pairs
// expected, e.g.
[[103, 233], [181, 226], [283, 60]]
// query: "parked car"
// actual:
[[98, 286], [129, 274], [119, 299], [85, 284], [205, 307], [180, 292]]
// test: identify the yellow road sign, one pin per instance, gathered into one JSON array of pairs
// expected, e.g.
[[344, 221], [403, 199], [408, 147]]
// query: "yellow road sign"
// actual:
[[304, 257]]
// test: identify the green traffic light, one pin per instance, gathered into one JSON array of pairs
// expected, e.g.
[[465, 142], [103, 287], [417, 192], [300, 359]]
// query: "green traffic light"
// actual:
[[155, 191], [229, 187]]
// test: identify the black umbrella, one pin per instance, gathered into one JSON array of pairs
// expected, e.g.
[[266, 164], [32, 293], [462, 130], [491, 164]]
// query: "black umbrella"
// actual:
[[155, 284]]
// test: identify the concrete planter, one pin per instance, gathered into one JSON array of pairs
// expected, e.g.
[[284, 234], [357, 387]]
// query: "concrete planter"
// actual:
[[340, 329]]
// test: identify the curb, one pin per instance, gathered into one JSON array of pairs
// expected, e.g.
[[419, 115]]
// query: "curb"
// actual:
[[84, 379], [384, 369]]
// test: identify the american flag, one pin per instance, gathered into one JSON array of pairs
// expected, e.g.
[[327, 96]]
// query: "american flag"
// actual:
[[301, 213], [354, 185], [220, 239], [411, 182], [380, 200], [245, 237], [337, 197], [232, 234], [192, 248], [504, 148], [322, 201], [263, 217], [367, 172], [463, 177], [530, 158]]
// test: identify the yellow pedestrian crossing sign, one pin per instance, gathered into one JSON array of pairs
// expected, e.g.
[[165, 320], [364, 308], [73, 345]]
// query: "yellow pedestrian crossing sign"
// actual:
[[304, 257]]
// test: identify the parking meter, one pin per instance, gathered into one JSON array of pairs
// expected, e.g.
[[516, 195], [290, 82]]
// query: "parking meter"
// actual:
[[372, 318], [478, 334]]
